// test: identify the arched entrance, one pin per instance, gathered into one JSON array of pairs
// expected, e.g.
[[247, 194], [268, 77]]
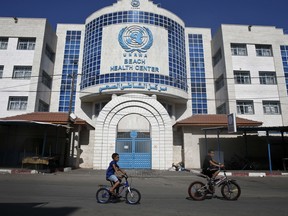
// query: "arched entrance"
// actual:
[[151, 121]]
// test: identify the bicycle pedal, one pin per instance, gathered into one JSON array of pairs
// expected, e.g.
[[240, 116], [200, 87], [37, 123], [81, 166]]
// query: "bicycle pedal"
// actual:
[[112, 194]]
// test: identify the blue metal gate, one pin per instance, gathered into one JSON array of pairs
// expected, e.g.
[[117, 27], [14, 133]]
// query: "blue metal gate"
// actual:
[[134, 149]]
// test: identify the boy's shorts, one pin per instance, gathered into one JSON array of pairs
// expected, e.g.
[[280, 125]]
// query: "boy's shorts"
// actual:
[[209, 172], [113, 178]]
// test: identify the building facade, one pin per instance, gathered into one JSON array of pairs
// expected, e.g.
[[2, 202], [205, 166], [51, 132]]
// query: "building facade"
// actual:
[[27, 54], [134, 70], [251, 73]]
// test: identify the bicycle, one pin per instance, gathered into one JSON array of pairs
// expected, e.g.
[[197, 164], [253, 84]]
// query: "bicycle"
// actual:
[[230, 190], [132, 195]]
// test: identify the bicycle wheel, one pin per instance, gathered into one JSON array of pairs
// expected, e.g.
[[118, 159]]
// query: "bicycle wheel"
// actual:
[[133, 197], [231, 190], [197, 191], [102, 195]]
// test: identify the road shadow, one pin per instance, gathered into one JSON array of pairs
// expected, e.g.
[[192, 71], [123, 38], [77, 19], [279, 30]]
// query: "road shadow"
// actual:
[[208, 197], [33, 209], [120, 200]]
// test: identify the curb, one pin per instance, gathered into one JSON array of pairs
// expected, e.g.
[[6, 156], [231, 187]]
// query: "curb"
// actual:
[[256, 174], [18, 171], [250, 173], [27, 171]]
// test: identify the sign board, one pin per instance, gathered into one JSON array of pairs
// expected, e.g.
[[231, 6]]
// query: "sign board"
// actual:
[[232, 128], [135, 48]]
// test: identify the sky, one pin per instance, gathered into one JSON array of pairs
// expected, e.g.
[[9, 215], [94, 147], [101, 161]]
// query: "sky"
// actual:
[[195, 13]]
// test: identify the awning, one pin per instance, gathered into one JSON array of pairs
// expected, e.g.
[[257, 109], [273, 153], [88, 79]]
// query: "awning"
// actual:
[[23, 123], [48, 118]]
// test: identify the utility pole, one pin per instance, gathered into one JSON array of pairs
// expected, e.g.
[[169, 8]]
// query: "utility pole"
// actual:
[[71, 96], [69, 121]]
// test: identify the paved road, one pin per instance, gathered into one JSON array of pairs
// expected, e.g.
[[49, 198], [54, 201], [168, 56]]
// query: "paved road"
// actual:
[[73, 193]]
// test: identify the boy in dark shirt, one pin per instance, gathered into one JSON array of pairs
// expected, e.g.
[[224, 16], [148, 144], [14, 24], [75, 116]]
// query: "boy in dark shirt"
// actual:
[[211, 167], [112, 169]]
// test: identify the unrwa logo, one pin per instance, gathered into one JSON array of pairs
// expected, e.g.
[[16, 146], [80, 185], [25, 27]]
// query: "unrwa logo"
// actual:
[[135, 38], [135, 3]]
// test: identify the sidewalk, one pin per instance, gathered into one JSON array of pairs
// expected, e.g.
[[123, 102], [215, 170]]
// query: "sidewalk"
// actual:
[[30, 171], [145, 173]]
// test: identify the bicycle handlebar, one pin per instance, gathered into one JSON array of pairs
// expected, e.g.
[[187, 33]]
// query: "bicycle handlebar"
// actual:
[[125, 176]]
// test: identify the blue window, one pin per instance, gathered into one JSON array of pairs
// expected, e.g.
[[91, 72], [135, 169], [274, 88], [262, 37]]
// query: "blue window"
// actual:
[[70, 67], [197, 72], [284, 53]]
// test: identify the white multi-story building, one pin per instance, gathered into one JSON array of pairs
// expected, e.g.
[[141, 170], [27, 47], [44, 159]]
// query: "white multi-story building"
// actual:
[[137, 70], [250, 69], [27, 54]]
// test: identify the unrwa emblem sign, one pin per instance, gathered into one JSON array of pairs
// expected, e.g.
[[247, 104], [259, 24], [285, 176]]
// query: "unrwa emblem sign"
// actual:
[[135, 3], [135, 38]]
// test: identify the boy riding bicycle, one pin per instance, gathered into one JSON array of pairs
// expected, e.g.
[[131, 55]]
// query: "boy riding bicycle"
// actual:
[[210, 167], [112, 170]]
